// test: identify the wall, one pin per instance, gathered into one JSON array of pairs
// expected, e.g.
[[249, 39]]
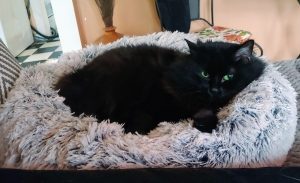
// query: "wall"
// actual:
[[67, 27], [274, 23], [15, 29], [131, 17], [39, 18]]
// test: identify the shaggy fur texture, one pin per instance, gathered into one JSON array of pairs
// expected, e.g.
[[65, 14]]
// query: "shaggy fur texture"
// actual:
[[39, 132], [291, 70]]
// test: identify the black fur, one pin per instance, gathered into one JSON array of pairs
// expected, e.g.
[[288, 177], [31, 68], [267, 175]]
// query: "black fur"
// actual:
[[143, 85]]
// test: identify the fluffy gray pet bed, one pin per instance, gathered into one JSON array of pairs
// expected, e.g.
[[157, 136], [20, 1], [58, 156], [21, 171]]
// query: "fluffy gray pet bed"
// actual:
[[39, 132]]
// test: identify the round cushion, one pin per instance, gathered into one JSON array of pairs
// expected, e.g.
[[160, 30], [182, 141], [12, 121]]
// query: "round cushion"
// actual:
[[38, 131]]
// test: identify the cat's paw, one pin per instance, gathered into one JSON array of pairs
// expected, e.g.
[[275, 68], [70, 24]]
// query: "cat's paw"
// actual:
[[205, 120]]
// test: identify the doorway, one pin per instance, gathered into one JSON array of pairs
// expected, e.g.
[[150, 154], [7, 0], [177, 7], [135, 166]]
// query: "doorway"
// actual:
[[46, 46]]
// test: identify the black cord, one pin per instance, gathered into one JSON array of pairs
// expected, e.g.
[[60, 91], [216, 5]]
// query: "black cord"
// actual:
[[212, 12], [260, 49], [53, 31], [206, 21], [54, 34], [212, 15]]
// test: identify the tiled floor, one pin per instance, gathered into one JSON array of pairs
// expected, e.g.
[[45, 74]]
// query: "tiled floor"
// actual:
[[40, 52]]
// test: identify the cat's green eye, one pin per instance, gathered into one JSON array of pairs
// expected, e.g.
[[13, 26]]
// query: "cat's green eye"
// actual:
[[227, 77], [204, 74]]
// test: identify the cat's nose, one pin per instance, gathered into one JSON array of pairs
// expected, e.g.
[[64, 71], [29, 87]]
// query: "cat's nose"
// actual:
[[215, 90]]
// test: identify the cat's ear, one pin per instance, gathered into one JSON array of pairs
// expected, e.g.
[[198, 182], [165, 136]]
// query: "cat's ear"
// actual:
[[192, 46], [244, 52]]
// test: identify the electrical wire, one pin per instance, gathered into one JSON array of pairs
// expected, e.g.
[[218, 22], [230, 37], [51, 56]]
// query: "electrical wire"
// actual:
[[212, 12], [260, 49], [212, 23], [54, 33], [206, 21]]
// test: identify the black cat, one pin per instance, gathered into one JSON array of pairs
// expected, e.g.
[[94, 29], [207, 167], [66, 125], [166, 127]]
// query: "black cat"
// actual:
[[141, 86]]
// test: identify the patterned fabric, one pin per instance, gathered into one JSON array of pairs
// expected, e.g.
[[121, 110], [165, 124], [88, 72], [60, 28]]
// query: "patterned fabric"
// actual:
[[230, 35], [9, 71]]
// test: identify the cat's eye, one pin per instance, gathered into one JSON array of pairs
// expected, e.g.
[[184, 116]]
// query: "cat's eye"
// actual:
[[204, 74], [227, 77]]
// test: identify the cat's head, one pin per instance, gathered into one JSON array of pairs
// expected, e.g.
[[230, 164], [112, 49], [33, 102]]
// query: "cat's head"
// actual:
[[214, 72]]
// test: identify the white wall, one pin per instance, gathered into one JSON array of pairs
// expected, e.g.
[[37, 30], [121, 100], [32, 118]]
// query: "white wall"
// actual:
[[66, 25], [131, 17], [39, 17], [275, 24], [15, 29]]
